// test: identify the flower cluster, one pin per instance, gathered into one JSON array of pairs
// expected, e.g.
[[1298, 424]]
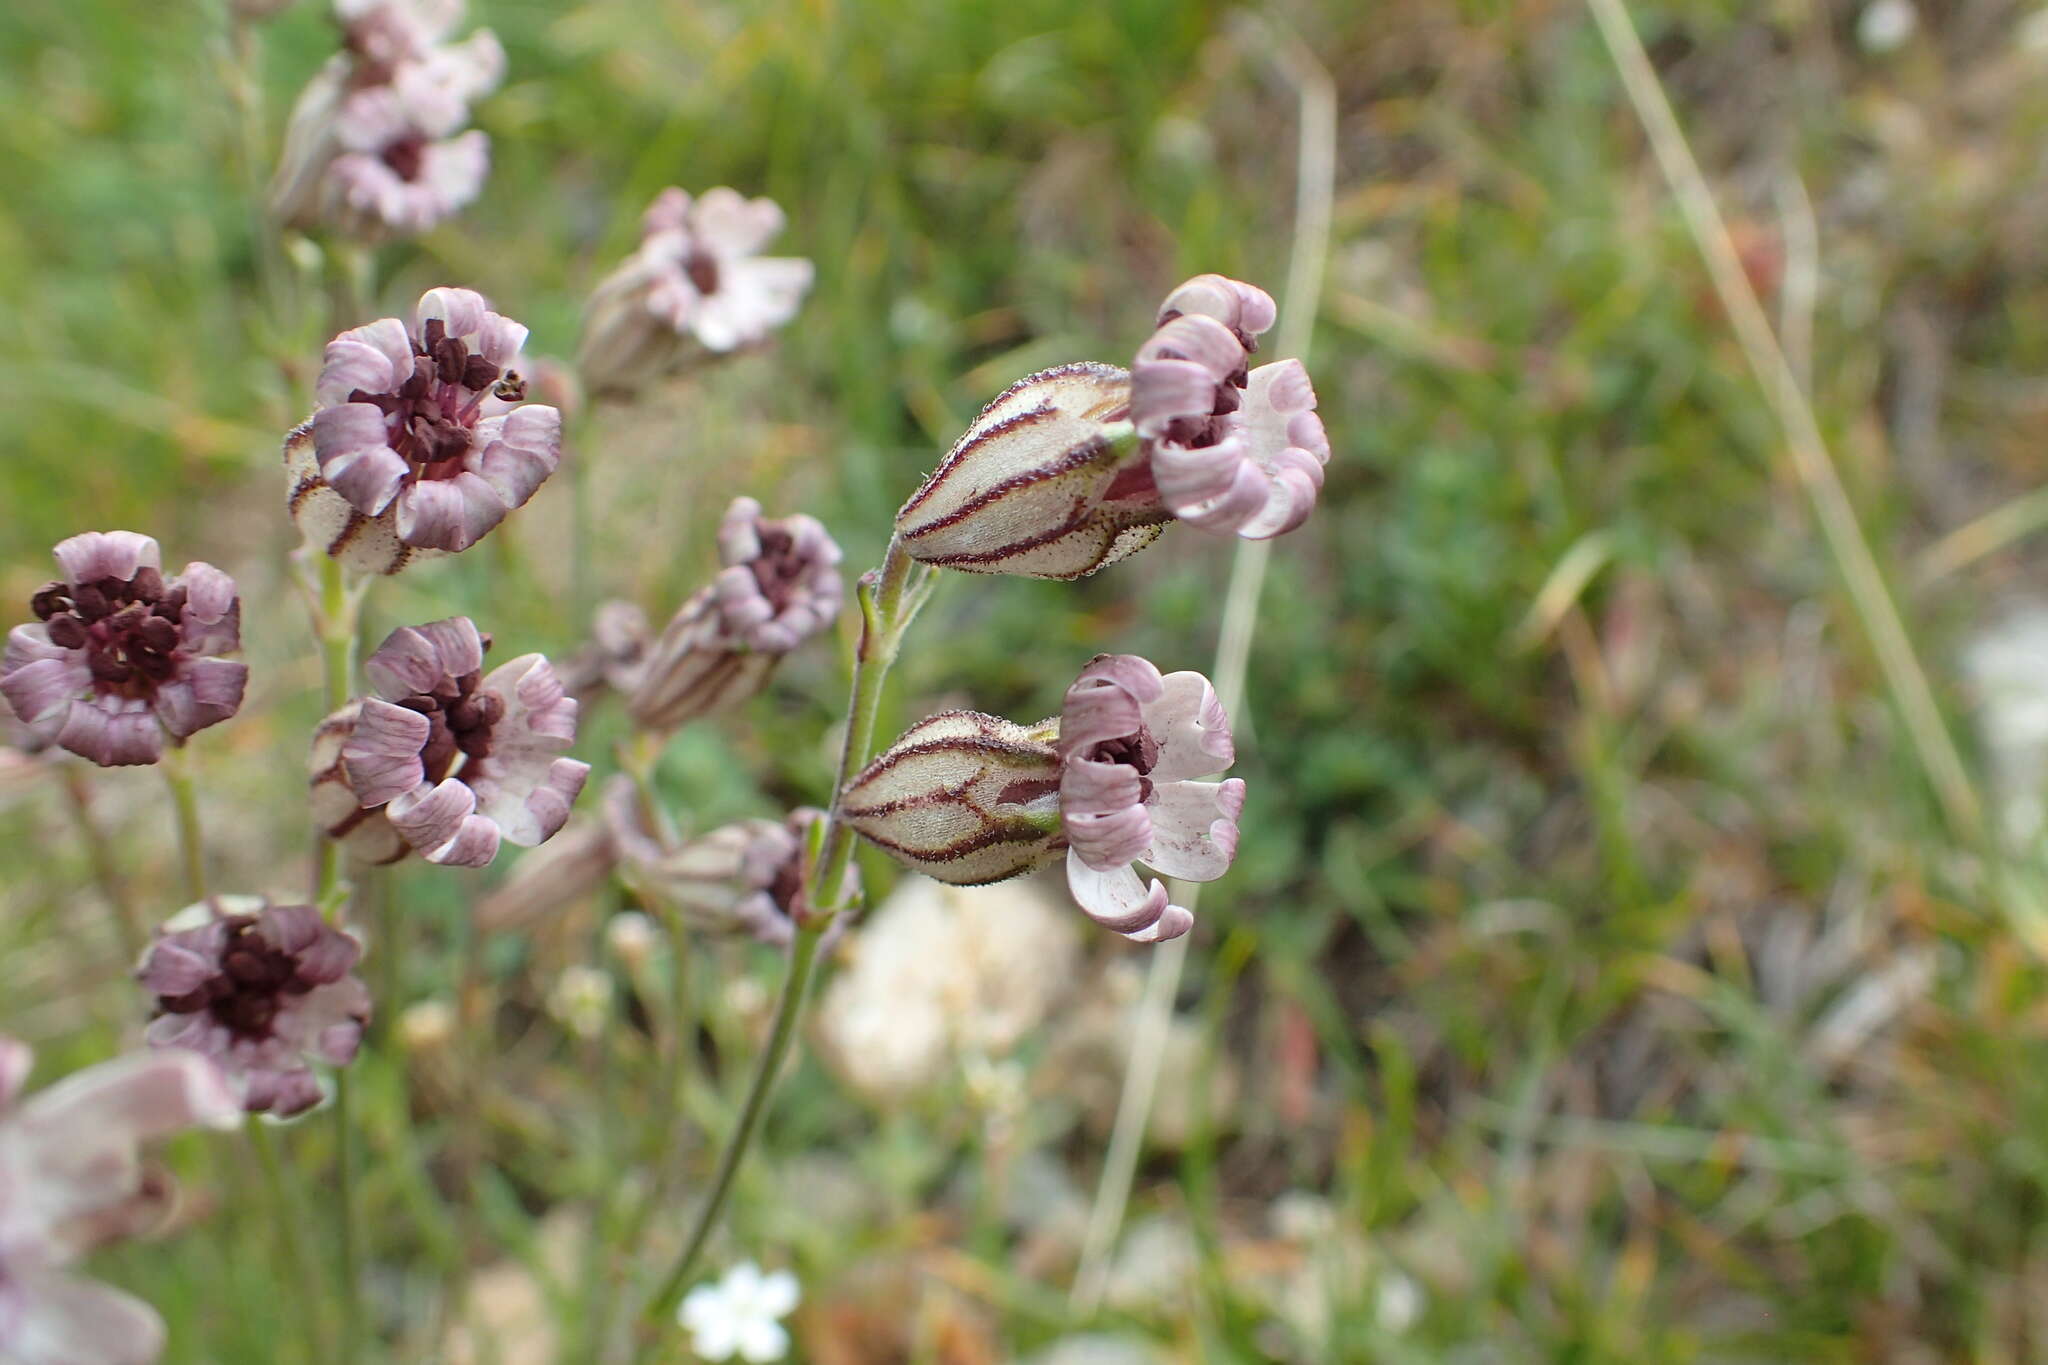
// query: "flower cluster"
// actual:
[[450, 760], [374, 144], [423, 441], [119, 657], [262, 989], [1076, 467], [779, 586], [71, 1181], [697, 278]]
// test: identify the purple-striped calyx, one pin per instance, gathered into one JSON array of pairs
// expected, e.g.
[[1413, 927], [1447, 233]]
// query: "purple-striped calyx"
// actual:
[[962, 797]]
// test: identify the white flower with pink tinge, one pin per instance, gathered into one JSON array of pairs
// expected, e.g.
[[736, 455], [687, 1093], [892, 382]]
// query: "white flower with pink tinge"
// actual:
[[427, 425], [70, 1180], [120, 656], [1131, 743], [710, 279], [461, 760], [1233, 451]]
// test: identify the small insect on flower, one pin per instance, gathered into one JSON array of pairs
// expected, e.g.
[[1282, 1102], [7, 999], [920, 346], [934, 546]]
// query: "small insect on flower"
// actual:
[[264, 990], [120, 656], [422, 441], [738, 1316], [71, 1181]]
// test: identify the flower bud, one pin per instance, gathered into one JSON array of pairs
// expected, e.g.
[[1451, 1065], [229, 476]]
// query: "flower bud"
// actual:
[[962, 797], [1048, 482]]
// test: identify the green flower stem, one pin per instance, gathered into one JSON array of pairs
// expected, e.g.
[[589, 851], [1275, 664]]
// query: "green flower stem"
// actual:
[[889, 600], [287, 1207], [100, 854], [337, 611], [185, 806]]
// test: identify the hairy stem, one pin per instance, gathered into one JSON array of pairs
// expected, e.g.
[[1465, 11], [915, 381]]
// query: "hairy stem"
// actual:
[[889, 599]]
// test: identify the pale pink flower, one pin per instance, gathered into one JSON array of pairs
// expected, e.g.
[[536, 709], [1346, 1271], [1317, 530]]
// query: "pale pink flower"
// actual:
[[373, 146], [264, 990], [70, 1180], [780, 585], [1131, 744], [698, 274], [1233, 451], [461, 760], [1078, 466], [121, 656], [426, 426]]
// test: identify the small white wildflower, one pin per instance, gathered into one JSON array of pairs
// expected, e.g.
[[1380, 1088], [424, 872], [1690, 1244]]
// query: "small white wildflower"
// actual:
[[581, 999], [1885, 25], [1399, 1301], [737, 1316]]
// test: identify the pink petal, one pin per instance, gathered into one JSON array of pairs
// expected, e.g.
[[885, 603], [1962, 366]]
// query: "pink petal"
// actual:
[[112, 739], [212, 622], [519, 451], [44, 686], [93, 555], [449, 514], [1194, 828], [1163, 391], [1203, 340], [1192, 729], [1217, 488], [461, 311], [1106, 701], [381, 757], [1119, 901], [58, 1319], [205, 692], [376, 359], [730, 225]]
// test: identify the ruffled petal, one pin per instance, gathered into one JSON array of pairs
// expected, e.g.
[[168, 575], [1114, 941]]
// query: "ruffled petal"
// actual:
[[1119, 901], [1191, 726], [112, 738], [376, 359], [92, 555], [1106, 702], [381, 756], [205, 692], [1194, 828], [519, 451], [730, 225], [43, 687], [460, 311]]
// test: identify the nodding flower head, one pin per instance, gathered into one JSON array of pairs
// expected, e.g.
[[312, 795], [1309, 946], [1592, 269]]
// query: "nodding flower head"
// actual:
[[265, 990], [459, 760], [697, 278], [1076, 467], [120, 656], [745, 877], [780, 585], [1131, 744], [71, 1179], [1231, 449], [423, 440]]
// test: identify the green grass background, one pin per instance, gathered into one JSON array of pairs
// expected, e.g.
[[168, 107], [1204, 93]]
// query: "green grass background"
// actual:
[[1615, 979]]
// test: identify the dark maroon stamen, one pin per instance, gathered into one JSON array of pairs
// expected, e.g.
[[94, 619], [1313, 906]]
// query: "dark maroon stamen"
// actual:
[[778, 569], [129, 630], [246, 994], [405, 157], [702, 268]]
